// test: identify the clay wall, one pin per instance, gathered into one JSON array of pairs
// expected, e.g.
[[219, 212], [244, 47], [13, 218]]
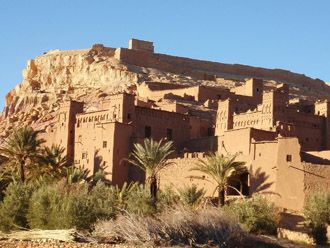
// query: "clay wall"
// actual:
[[262, 169], [141, 45], [179, 175], [290, 175], [104, 145], [234, 141], [159, 124], [121, 106], [200, 127], [198, 68], [205, 144], [248, 119], [64, 130], [317, 178], [172, 107], [252, 88]]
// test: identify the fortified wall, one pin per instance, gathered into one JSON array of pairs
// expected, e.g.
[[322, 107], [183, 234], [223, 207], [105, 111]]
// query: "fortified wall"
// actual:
[[285, 143]]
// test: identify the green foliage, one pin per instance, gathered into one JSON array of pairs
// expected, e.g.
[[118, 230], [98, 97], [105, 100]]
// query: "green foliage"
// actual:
[[44, 208], [167, 198], [191, 195], [138, 201], [77, 175], [53, 162], [257, 214], [317, 215], [151, 157], [20, 151], [69, 206], [219, 169], [103, 201], [13, 209]]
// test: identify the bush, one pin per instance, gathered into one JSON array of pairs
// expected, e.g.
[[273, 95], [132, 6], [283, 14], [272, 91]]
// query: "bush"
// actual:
[[191, 195], [103, 201], [174, 226], [138, 201], [70, 206], [13, 209], [257, 214], [167, 198], [317, 215], [43, 212]]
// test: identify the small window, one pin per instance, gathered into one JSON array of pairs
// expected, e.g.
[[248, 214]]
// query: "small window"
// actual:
[[105, 144], [147, 131], [289, 158], [128, 116], [169, 134], [84, 155], [257, 89]]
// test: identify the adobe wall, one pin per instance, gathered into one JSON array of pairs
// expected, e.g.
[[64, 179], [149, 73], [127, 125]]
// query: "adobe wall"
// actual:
[[103, 144], [235, 141], [64, 130], [248, 119], [262, 169], [317, 178], [204, 144], [290, 175], [198, 68], [179, 175]]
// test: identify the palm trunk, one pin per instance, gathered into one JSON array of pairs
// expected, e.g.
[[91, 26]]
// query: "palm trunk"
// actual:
[[153, 190], [221, 197], [21, 171]]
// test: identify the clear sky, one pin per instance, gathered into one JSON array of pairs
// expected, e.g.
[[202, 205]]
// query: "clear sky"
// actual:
[[288, 34]]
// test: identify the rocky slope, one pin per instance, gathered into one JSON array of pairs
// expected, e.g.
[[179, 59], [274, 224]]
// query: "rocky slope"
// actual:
[[90, 75]]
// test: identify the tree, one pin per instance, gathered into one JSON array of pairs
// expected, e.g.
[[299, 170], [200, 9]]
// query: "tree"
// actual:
[[54, 161], [21, 149], [219, 168], [151, 157]]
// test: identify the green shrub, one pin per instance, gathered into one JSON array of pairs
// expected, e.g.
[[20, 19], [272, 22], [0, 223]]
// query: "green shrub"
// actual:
[[138, 201], [317, 215], [45, 208], [191, 195], [77, 209], [167, 198], [257, 214], [14, 208], [103, 201]]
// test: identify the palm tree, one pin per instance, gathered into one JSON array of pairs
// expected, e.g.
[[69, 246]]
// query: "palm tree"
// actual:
[[21, 149], [219, 168], [54, 161], [151, 157]]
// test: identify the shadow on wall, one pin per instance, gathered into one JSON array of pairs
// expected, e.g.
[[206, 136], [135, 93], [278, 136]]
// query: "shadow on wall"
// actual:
[[100, 169], [259, 182], [306, 157]]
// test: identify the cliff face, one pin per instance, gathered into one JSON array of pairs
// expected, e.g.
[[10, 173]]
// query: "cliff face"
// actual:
[[92, 74]]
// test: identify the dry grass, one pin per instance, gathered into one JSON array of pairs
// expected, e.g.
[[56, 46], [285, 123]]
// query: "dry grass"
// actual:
[[174, 226]]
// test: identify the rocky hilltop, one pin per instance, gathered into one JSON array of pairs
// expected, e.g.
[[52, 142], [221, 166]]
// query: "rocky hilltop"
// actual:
[[90, 75]]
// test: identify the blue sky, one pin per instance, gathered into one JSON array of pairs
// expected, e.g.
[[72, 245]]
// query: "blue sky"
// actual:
[[289, 34]]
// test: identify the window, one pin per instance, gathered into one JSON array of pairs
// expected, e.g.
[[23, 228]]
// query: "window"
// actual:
[[104, 144], [147, 131], [128, 116], [84, 155], [169, 134], [289, 158]]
